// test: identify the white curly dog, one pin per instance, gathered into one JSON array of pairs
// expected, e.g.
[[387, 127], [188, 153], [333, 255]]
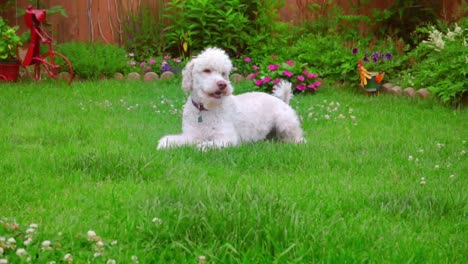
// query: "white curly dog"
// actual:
[[214, 118]]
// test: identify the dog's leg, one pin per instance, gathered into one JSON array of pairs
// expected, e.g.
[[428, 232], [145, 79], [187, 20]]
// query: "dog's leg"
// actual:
[[172, 141], [290, 132]]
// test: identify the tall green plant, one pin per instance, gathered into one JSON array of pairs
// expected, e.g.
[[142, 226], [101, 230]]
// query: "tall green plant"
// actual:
[[143, 34]]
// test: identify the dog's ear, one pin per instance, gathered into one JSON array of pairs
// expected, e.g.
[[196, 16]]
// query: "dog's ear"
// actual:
[[187, 77]]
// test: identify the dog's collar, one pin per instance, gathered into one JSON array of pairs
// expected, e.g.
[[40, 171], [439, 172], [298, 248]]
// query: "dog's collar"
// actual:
[[199, 106]]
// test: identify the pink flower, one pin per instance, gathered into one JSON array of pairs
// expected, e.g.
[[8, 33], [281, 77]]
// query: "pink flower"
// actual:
[[167, 57], [312, 86], [311, 75], [290, 63], [131, 63], [151, 61], [266, 79], [276, 81], [247, 59], [258, 82], [287, 73], [273, 57], [176, 60], [300, 78], [142, 64], [305, 72], [317, 84], [273, 67], [148, 68], [256, 68], [300, 87]]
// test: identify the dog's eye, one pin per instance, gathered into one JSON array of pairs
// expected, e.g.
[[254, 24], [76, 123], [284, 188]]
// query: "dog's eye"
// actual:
[[224, 74], [207, 71]]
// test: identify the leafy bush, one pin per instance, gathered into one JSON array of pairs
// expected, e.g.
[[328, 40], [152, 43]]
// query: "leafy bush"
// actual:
[[441, 64], [92, 60], [234, 25]]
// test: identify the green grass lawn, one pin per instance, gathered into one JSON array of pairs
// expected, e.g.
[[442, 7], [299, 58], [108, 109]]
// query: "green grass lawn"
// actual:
[[381, 180]]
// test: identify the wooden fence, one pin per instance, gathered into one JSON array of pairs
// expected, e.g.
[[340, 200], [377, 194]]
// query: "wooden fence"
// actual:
[[104, 20]]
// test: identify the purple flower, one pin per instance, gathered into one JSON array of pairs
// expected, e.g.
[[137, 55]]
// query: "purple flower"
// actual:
[[152, 61], [300, 78], [388, 56], [167, 57], [256, 68], [355, 51], [142, 64], [312, 86], [266, 79], [317, 84], [131, 63], [258, 82], [290, 63], [276, 81], [247, 59], [148, 68], [287, 73]]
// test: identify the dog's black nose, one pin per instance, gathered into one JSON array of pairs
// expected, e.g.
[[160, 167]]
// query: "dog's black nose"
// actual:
[[221, 85]]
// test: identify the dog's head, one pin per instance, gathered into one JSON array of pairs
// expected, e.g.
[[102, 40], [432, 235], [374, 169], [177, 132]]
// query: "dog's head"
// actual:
[[207, 77]]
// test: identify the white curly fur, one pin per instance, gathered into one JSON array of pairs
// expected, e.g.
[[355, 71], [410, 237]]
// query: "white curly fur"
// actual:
[[213, 117]]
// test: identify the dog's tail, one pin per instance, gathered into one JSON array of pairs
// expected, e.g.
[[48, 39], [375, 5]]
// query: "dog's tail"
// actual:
[[283, 90]]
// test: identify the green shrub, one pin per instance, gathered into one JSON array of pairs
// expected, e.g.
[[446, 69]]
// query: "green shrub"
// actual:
[[440, 64], [234, 25], [92, 60]]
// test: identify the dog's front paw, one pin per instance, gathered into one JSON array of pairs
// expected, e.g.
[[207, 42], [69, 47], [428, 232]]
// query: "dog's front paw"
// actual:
[[207, 145], [163, 143]]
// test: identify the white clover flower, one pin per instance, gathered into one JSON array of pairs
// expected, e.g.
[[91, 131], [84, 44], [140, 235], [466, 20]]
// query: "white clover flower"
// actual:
[[111, 261], [135, 259], [100, 244], [35, 226], [97, 254], [410, 158], [11, 240], [201, 259], [463, 152], [21, 252], [113, 243], [68, 258], [452, 176], [353, 118], [46, 243], [423, 181], [30, 231], [3, 261], [157, 220], [51, 262], [437, 166], [327, 117], [2, 239], [28, 241], [421, 150], [341, 116], [440, 145]]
